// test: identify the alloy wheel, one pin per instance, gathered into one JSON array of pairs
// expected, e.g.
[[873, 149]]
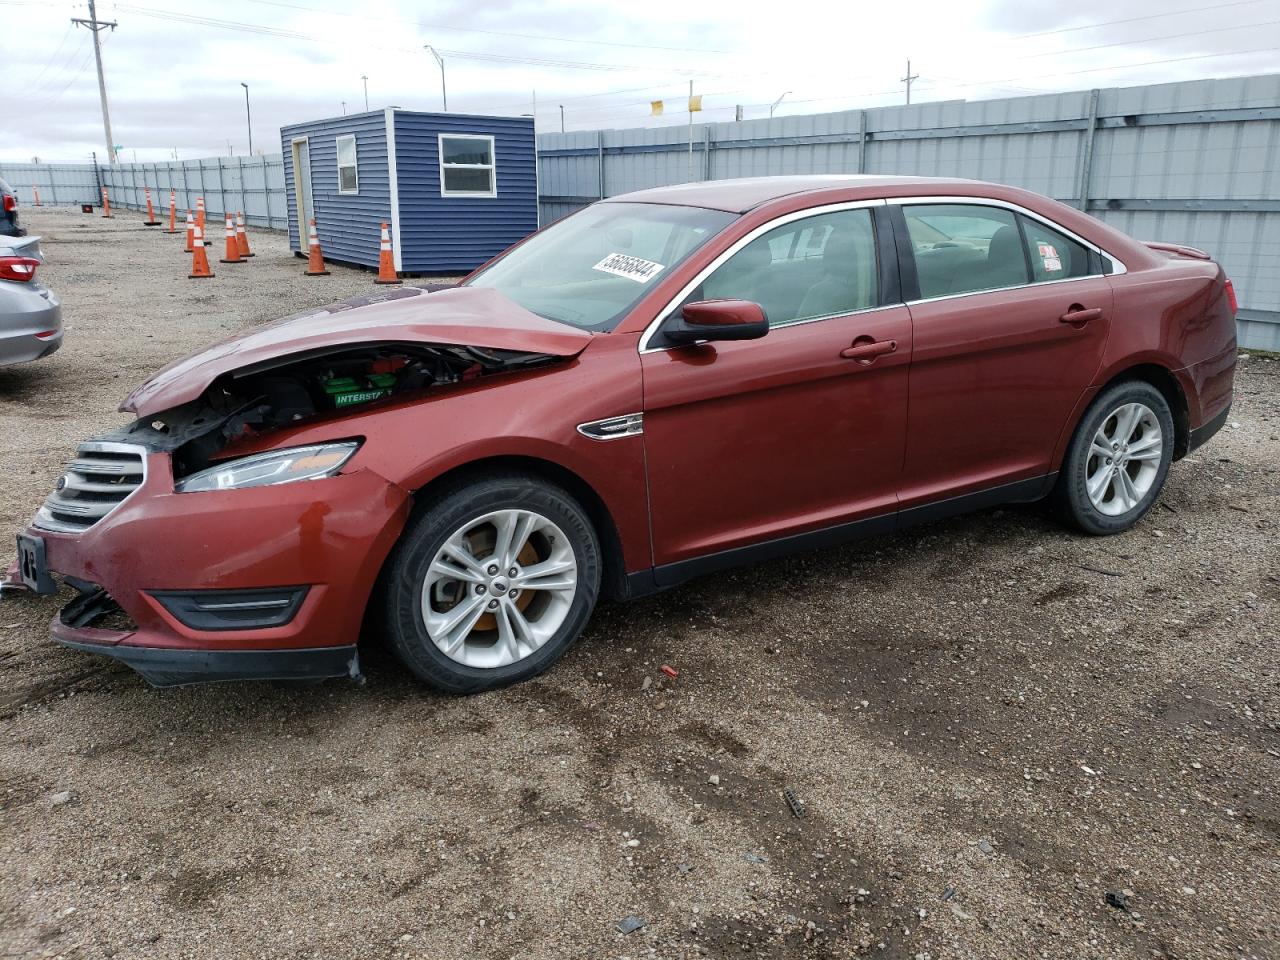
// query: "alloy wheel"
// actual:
[[498, 588], [1124, 459]]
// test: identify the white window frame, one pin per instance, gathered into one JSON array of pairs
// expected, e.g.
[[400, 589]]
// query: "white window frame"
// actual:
[[492, 166], [355, 162]]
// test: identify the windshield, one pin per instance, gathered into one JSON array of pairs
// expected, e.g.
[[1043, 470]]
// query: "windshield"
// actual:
[[589, 269]]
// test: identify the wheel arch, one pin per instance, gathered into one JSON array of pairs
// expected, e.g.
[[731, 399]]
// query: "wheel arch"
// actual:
[[1160, 376], [1164, 380], [613, 574]]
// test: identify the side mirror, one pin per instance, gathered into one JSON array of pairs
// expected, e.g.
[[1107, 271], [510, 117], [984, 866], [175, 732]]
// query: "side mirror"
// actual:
[[717, 320]]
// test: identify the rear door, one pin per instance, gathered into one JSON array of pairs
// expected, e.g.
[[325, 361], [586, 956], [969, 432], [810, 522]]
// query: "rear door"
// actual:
[[749, 442], [1010, 317]]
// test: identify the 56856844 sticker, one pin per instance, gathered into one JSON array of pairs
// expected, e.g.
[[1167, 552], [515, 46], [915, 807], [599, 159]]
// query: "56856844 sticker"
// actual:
[[633, 268]]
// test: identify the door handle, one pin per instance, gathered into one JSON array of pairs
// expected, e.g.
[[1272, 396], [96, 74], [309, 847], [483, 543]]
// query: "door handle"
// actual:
[[866, 350], [1079, 314]]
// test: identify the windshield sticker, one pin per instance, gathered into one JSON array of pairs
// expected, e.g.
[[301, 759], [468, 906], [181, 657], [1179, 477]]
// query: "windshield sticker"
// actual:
[[633, 268]]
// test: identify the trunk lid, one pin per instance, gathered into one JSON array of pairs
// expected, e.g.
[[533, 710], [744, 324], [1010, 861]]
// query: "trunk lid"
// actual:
[[460, 316]]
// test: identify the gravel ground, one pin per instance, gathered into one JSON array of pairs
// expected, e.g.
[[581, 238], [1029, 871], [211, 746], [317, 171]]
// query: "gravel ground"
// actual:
[[992, 725]]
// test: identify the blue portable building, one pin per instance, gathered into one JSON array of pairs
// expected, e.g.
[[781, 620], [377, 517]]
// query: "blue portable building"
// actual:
[[455, 188]]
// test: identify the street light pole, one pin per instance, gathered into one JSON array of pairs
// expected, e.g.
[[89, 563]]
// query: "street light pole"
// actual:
[[366, 92], [248, 119], [444, 93], [775, 105], [562, 118]]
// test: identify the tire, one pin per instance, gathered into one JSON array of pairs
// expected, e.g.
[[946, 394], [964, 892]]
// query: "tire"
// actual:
[[1102, 496], [504, 628]]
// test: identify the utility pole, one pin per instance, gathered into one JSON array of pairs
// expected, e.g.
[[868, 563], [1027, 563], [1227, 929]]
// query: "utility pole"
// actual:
[[444, 93], [96, 25], [690, 130], [562, 118], [248, 121], [366, 92], [907, 80]]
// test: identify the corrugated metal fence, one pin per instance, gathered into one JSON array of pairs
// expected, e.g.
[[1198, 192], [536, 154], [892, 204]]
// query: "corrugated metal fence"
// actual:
[[254, 185], [1193, 162]]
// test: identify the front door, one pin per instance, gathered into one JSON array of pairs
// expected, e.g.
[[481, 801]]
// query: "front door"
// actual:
[[749, 442], [302, 189], [998, 363]]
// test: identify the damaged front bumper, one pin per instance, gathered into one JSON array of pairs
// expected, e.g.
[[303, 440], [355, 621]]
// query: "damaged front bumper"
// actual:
[[268, 582]]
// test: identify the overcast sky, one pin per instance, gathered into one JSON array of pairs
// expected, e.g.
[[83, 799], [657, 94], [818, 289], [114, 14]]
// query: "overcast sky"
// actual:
[[174, 68]]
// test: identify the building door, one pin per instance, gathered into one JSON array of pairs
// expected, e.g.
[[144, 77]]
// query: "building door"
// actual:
[[302, 189]]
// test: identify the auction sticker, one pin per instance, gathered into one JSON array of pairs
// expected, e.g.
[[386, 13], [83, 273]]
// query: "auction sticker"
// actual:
[[633, 268], [1050, 257]]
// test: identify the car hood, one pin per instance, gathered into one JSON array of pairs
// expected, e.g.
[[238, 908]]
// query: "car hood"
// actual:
[[459, 316]]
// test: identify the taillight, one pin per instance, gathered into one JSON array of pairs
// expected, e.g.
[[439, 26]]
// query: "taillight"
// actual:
[[1231, 298], [21, 269], [10, 203]]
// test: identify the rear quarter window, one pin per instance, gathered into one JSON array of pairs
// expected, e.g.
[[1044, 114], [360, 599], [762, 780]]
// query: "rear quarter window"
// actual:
[[1054, 256]]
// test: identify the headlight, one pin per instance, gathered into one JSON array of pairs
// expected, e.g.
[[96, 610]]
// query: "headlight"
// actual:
[[278, 466]]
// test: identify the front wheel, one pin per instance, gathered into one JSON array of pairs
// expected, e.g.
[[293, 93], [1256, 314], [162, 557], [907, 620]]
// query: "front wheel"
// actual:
[[1118, 459], [492, 583]]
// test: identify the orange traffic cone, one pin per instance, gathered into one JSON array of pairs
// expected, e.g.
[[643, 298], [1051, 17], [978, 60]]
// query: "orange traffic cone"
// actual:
[[200, 216], [242, 238], [386, 260], [191, 232], [199, 259], [233, 248], [106, 203], [315, 261], [151, 220], [37, 194], [173, 213]]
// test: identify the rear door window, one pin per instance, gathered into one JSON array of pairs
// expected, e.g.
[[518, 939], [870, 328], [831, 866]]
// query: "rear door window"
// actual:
[[963, 248]]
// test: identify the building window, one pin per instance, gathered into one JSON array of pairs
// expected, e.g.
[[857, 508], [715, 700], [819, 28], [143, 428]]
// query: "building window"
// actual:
[[348, 180], [467, 167]]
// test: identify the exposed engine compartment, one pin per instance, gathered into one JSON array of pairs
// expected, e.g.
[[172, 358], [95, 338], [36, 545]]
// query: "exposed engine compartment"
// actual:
[[255, 400]]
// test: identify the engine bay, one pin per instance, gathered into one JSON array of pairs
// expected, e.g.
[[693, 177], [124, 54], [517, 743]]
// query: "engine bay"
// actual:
[[256, 400]]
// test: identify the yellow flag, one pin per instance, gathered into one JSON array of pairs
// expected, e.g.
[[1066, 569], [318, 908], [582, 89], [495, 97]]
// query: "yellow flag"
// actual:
[[655, 108], [695, 103]]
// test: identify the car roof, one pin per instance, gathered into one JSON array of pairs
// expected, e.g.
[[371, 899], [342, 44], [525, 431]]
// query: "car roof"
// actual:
[[741, 195]]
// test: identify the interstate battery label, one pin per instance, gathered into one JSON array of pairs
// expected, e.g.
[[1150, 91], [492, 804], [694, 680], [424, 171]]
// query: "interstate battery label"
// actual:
[[633, 268]]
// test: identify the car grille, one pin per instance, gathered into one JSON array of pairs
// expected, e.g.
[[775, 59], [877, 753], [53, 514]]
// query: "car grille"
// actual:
[[99, 479]]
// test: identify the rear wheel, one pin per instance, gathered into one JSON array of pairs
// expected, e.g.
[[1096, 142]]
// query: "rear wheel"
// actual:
[[1118, 460], [492, 583]]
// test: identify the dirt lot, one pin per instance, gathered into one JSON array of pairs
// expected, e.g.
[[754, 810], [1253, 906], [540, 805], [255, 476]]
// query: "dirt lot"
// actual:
[[992, 724]]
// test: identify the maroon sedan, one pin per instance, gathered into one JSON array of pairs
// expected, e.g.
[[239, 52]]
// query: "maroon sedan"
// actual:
[[660, 386]]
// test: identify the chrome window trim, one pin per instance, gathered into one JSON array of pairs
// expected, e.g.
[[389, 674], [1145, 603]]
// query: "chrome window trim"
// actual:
[[1117, 265], [741, 242], [1016, 286]]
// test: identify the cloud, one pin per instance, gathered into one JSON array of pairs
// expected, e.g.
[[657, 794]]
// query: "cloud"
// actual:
[[174, 69]]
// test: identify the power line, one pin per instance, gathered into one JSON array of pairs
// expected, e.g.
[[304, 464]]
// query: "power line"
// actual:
[[1164, 15], [1167, 36], [492, 33], [54, 97], [35, 84]]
